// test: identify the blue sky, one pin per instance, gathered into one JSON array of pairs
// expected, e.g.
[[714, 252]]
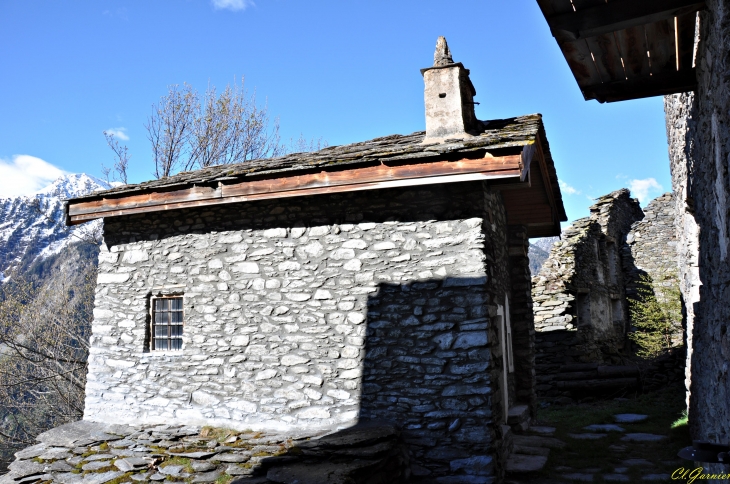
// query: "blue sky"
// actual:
[[345, 71]]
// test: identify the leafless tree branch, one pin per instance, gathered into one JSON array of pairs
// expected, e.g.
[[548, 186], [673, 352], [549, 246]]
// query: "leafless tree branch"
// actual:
[[121, 162]]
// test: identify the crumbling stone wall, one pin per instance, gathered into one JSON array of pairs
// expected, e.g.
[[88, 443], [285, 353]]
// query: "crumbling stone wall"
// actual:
[[650, 254], [579, 295], [699, 146], [311, 315]]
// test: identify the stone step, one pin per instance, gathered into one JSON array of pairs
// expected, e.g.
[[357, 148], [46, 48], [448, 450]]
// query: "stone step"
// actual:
[[541, 430], [523, 464], [630, 418], [527, 450], [587, 436], [578, 477], [536, 441], [518, 417], [604, 428], [640, 437]]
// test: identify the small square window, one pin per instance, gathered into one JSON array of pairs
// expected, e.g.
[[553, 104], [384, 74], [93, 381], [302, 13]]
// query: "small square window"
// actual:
[[167, 323]]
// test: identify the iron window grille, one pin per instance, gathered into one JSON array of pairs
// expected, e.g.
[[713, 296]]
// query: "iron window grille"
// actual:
[[167, 323]]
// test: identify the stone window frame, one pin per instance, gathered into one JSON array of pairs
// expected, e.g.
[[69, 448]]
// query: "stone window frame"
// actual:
[[152, 299]]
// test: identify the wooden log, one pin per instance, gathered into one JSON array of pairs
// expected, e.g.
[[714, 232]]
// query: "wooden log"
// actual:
[[611, 371], [597, 384], [579, 367], [577, 375]]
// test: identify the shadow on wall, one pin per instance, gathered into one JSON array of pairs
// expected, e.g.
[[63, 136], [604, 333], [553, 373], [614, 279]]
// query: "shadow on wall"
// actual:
[[426, 373]]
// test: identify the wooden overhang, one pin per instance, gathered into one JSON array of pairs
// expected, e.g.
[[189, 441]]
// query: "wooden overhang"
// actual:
[[626, 49], [511, 154]]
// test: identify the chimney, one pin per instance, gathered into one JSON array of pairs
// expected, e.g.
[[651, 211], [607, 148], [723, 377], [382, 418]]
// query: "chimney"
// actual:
[[449, 97]]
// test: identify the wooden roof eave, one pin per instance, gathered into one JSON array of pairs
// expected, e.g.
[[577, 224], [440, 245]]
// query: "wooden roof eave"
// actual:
[[323, 182], [605, 18], [626, 49]]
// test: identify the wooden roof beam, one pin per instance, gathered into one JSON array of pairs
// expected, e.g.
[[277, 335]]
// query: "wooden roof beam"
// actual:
[[324, 182], [617, 15], [656, 85]]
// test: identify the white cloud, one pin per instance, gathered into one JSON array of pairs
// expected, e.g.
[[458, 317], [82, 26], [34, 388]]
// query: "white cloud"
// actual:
[[232, 4], [120, 133], [565, 188], [25, 175], [642, 188]]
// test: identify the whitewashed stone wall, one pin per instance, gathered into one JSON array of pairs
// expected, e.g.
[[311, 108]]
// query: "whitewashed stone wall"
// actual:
[[308, 314]]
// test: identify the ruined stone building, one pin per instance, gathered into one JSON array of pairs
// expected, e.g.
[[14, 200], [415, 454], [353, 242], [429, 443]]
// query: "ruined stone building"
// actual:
[[386, 279], [688, 62], [581, 293]]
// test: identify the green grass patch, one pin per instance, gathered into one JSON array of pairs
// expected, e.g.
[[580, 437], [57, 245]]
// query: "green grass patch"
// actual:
[[224, 479], [179, 461], [681, 421], [123, 478], [216, 433]]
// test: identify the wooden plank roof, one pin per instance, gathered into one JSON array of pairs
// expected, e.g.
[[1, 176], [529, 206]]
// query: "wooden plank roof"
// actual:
[[626, 49], [506, 151]]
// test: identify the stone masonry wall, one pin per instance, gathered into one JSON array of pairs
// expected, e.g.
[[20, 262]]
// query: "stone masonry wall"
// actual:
[[652, 244], [699, 140], [680, 124], [651, 251], [311, 314]]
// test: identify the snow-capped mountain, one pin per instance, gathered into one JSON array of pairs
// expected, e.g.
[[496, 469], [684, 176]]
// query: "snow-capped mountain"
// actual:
[[539, 252], [34, 226]]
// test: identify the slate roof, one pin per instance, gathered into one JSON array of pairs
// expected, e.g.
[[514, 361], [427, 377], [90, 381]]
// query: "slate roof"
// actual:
[[497, 134]]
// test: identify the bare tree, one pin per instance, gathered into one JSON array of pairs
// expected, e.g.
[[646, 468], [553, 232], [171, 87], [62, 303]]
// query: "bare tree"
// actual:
[[44, 345], [301, 144], [118, 172], [229, 127], [169, 128]]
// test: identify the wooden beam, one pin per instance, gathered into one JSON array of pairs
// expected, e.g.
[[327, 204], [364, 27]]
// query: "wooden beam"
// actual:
[[528, 152], [655, 85], [370, 178], [617, 15]]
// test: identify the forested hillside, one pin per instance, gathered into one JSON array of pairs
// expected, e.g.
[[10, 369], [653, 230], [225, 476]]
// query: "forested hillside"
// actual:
[[48, 275]]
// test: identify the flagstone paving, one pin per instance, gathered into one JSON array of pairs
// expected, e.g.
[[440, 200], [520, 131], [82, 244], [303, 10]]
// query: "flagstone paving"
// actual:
[[642, 449], [91, 453]]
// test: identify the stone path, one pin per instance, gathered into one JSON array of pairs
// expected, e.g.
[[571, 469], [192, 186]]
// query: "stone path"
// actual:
[[530, 452], [89, 453], [523, 467]]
